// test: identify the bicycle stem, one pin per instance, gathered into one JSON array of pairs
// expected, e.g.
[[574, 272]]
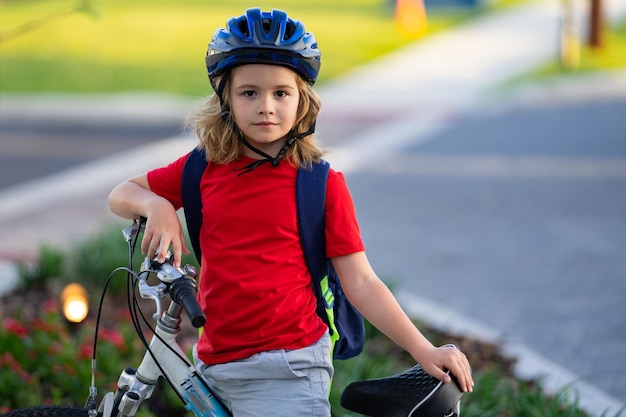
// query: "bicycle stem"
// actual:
[[138, 386]]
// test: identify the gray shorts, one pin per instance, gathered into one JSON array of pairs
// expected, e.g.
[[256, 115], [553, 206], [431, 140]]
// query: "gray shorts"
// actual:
[[278, 383]]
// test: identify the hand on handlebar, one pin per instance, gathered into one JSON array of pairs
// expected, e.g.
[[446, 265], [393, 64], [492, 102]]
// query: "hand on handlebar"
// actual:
[[163, 230], [179, 282]]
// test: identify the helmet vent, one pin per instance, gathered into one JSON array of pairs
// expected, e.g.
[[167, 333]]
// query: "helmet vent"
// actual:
[[289, 30], [267, 25], [243, 27]]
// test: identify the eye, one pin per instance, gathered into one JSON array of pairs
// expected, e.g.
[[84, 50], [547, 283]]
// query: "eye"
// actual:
[[281, 93], [249, 93]]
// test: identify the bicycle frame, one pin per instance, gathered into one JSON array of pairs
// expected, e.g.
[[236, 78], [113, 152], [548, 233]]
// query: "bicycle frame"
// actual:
[[165, 358]]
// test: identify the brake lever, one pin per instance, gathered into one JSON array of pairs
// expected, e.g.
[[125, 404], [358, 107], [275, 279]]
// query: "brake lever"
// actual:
[[151, 292], [154, 293], [166, 273], [134, 229]]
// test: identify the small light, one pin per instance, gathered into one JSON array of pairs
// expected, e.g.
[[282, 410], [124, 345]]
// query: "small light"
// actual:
[[75, 303]]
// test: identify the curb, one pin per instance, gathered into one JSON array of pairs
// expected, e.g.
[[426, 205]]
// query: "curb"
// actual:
[[529, 364]]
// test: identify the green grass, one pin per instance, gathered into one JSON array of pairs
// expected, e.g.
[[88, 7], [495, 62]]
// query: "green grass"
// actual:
[[159, 45]]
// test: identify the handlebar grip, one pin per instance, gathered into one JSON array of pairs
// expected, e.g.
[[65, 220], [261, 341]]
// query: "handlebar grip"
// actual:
[[183, 292]]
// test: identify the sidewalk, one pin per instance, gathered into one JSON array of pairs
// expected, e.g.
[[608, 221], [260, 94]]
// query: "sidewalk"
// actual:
[[401, 99]]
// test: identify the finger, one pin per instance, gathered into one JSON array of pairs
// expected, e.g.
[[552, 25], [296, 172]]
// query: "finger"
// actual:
[[464, 382], [468, 374], [464, 375], [438, 373], [145, 243], [161, 250], [153, 250], [186, 250], [177, 249]]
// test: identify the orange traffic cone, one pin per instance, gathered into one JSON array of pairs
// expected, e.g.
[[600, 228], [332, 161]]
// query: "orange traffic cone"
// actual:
[[411, 18]]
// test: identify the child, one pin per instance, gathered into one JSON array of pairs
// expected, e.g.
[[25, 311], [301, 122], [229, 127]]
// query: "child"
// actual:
[[264, 348]]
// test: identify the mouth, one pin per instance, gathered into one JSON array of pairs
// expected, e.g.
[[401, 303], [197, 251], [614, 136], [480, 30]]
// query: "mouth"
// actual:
[[265, 124]]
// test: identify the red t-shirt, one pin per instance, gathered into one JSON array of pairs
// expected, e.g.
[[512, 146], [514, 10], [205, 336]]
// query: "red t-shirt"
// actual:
[[254, 286]]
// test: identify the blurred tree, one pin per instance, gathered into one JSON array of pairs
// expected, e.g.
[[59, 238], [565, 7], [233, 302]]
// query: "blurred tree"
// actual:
[[596, 24]]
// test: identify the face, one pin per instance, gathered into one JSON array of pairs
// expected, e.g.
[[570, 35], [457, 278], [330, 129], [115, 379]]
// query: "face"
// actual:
[[264, 103]]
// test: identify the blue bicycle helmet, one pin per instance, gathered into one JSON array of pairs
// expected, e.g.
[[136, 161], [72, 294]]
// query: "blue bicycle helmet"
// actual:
[[259, 37]]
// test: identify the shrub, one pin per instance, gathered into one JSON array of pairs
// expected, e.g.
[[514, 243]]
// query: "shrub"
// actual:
[[50, 264], [45, 361]]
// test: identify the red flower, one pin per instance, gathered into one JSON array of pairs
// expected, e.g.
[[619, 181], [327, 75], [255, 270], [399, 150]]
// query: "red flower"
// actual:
[[13, 326], [115, 338], [51, 306], [86, 351], [8, 360]]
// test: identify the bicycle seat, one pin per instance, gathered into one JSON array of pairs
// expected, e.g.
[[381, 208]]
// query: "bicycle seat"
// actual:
[[413, 393]]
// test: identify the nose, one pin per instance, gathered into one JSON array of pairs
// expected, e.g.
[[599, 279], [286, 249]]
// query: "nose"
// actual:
[[266, 105]]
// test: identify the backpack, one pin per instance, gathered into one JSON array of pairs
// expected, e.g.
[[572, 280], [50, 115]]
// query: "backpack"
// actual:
[[345, 323]]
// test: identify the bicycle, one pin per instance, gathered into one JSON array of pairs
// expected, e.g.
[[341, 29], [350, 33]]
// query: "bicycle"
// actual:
[[412, 393]]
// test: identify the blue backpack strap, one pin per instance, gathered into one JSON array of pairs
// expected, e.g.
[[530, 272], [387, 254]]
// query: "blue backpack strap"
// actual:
[[195, 166], [311, 202], [345, 323]]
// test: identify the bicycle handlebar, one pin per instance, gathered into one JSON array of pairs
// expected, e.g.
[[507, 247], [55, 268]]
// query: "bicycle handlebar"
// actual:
[[179, 282], [183, 292]]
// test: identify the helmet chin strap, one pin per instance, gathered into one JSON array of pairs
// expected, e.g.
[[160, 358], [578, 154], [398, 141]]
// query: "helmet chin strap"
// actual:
[[274, 160]]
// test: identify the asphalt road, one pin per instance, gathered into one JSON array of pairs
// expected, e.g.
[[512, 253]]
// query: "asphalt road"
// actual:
[[516, 219], [34, 148]]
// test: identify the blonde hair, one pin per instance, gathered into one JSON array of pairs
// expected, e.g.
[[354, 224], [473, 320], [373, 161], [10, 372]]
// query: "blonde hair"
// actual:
[[222, 145]]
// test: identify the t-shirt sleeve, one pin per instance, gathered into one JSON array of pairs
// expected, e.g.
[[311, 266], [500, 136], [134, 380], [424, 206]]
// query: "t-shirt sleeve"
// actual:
[[343, 236], [167, 181]]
